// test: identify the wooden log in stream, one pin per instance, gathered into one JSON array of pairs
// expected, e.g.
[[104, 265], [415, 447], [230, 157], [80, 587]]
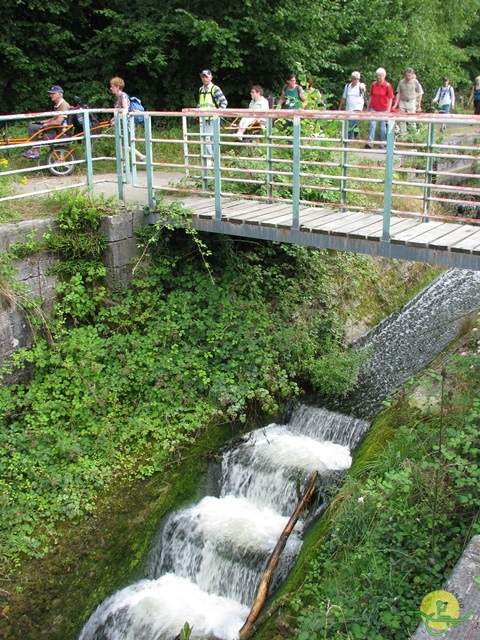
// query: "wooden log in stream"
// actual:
[[262, 591]]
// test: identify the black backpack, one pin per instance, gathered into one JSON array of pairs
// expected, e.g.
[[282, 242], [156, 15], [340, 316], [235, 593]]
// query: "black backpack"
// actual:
[[76, 119]]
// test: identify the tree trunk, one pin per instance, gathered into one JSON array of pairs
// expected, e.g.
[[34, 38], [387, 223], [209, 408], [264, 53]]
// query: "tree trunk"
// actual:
[[274, 558]]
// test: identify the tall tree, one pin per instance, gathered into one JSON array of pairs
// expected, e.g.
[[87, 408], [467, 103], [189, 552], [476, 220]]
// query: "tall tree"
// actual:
[[160, 48]]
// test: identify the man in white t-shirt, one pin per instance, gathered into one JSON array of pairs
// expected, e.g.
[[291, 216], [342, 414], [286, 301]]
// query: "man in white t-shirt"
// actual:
[[445, 97], [257, 103], [354, 99]]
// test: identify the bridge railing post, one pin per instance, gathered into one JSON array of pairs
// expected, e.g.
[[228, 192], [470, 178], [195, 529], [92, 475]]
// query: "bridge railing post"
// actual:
[[149, 162], [427, 191], [119, 151], [388, 188], [185, 144], [217, 179], [343, 179], [88, 151], [205, 158], [296, 173], [269, 138]]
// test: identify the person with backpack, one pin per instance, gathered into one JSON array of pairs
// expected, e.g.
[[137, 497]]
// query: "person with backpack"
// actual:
[[475, 96], [122, 103], [209, 97], [354, 99], [380, 99], [292, 96], [445, 98]]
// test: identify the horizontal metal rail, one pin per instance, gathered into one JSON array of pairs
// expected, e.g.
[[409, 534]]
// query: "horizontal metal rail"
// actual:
[[299, 157]]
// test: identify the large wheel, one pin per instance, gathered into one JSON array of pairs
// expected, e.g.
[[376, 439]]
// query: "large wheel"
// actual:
[[60, 161]]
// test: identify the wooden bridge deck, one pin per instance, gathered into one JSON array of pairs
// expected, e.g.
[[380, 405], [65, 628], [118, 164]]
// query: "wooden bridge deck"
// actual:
[[440, 243]]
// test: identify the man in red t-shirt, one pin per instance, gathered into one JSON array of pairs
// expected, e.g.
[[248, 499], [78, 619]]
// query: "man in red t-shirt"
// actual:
[[381, 98]]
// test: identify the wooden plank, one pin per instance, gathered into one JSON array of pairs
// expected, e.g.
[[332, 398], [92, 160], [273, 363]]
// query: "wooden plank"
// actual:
[[406, 236], [235, 204], [316, 217], [317, 225], [253, 215], [469, 245], [337, 218], [461, 232], [265, 217], [375, 230], [353, 225], [432, 235], [278, 219], [343, 221]]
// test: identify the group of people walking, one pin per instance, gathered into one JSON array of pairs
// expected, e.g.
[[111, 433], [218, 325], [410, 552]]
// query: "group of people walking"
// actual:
[[380, 98]]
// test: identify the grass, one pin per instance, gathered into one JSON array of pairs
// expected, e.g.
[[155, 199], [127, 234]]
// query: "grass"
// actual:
[[386, 495]]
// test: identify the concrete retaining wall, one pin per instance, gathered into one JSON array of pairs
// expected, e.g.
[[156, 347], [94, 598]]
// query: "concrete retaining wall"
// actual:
[[15, 330], [462, 586]]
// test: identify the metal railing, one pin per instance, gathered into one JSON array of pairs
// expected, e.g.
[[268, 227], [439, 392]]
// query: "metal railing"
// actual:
[[298, 157]]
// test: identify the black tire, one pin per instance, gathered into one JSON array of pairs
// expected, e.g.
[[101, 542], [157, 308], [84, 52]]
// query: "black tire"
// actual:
[[60, 161]]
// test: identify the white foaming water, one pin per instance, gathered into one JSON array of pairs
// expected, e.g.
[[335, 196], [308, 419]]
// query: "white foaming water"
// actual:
[[275, 457], [324, 425], [225, 542], [238, 521], [158, 609], [213, 553]]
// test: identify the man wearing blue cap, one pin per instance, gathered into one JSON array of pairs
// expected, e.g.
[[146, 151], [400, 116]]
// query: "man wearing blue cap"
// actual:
[[46, 128], [209, 97]]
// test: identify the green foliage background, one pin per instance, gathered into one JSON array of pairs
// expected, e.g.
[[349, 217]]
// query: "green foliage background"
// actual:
[[121, 382], [159, 48]]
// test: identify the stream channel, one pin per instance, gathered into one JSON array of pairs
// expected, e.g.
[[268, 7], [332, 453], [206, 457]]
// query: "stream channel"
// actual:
[[208, 560]]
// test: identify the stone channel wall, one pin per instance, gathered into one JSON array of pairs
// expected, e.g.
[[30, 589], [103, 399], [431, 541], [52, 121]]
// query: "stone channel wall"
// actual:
[[15, 330]]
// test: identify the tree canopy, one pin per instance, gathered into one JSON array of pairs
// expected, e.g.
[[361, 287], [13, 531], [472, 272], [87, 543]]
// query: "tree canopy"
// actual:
[[160, 48]]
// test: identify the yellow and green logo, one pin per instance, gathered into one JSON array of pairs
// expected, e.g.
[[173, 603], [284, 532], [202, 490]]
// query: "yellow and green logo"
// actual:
[[440, 610]]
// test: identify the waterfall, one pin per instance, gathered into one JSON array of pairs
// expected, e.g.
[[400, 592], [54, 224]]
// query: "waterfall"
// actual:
[[211, 555]]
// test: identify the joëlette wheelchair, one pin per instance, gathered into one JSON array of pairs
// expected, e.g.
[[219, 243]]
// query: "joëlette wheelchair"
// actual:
[[61, 157]]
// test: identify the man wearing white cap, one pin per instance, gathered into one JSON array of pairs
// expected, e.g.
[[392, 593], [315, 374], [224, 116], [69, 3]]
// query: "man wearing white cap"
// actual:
[[56, 95], [354, 99], [209, 97]]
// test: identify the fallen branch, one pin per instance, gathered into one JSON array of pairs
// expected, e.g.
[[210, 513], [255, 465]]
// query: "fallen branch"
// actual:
[[274, 558]]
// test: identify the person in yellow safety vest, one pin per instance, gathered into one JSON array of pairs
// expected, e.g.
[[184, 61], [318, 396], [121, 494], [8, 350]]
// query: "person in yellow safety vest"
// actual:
[[209, 97]]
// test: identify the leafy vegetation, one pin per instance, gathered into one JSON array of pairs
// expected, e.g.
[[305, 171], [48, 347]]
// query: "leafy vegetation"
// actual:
[[407, 510], [159, 50], [131, 390], [122, 383]]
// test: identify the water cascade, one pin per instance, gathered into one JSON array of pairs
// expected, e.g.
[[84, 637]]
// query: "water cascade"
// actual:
[[210, 556]]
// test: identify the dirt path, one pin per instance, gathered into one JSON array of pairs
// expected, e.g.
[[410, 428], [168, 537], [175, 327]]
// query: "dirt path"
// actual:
[[106, 184]]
